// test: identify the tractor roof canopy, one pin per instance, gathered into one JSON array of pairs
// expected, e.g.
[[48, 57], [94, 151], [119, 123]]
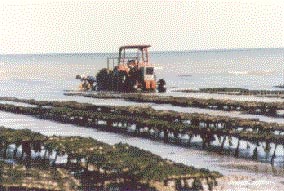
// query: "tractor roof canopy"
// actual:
[[134, 47], [142, 53]]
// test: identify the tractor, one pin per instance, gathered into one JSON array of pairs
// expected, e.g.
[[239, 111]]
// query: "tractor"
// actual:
[[133, 73]]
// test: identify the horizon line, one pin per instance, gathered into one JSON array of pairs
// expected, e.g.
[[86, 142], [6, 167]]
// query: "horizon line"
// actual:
[[152, 52]]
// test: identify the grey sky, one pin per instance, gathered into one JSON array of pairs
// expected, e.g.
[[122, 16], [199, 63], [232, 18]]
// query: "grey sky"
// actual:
[[49, 26]]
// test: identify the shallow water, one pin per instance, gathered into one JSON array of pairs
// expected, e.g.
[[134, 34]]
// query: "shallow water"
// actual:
[[45, 77], [120, 102], [189, 156], [224, 96], [229, 166], [218, 113], [17, 103]]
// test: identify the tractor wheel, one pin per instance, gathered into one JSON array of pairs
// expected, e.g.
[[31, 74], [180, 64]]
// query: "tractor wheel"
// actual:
[[162, 86], [102, 79], [95, 88], [120, 81], [123, 82], [131, 85]]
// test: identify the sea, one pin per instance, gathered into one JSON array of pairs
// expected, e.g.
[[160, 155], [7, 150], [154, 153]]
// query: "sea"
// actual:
[[46, 76]]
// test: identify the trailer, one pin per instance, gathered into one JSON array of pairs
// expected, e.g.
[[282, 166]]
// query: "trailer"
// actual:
[[131, 71]]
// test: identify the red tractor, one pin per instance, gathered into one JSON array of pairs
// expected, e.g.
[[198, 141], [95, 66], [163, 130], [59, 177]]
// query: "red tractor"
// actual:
[[132, 73]]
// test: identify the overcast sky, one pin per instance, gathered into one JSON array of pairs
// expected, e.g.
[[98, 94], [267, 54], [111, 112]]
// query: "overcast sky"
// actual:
[[52, 26]]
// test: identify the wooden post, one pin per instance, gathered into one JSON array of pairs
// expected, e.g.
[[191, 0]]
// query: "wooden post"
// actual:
[[5, 151], [237, 149], [56, 154], [166, 136], [176, 136], [223, 142], [203, 142], [137, 129], [15, 152], [166, 183], [254, 156], [274, 155], [190, 138], [178, 184], [267, 149]]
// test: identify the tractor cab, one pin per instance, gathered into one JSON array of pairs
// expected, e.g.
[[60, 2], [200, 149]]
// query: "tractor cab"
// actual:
[[133, 57], [134, 61], [137, 54]]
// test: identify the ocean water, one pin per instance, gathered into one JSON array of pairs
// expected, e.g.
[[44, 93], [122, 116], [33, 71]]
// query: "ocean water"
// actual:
[[46, 76]]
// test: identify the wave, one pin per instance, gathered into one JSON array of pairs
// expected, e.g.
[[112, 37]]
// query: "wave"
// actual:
[[263, 72]]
